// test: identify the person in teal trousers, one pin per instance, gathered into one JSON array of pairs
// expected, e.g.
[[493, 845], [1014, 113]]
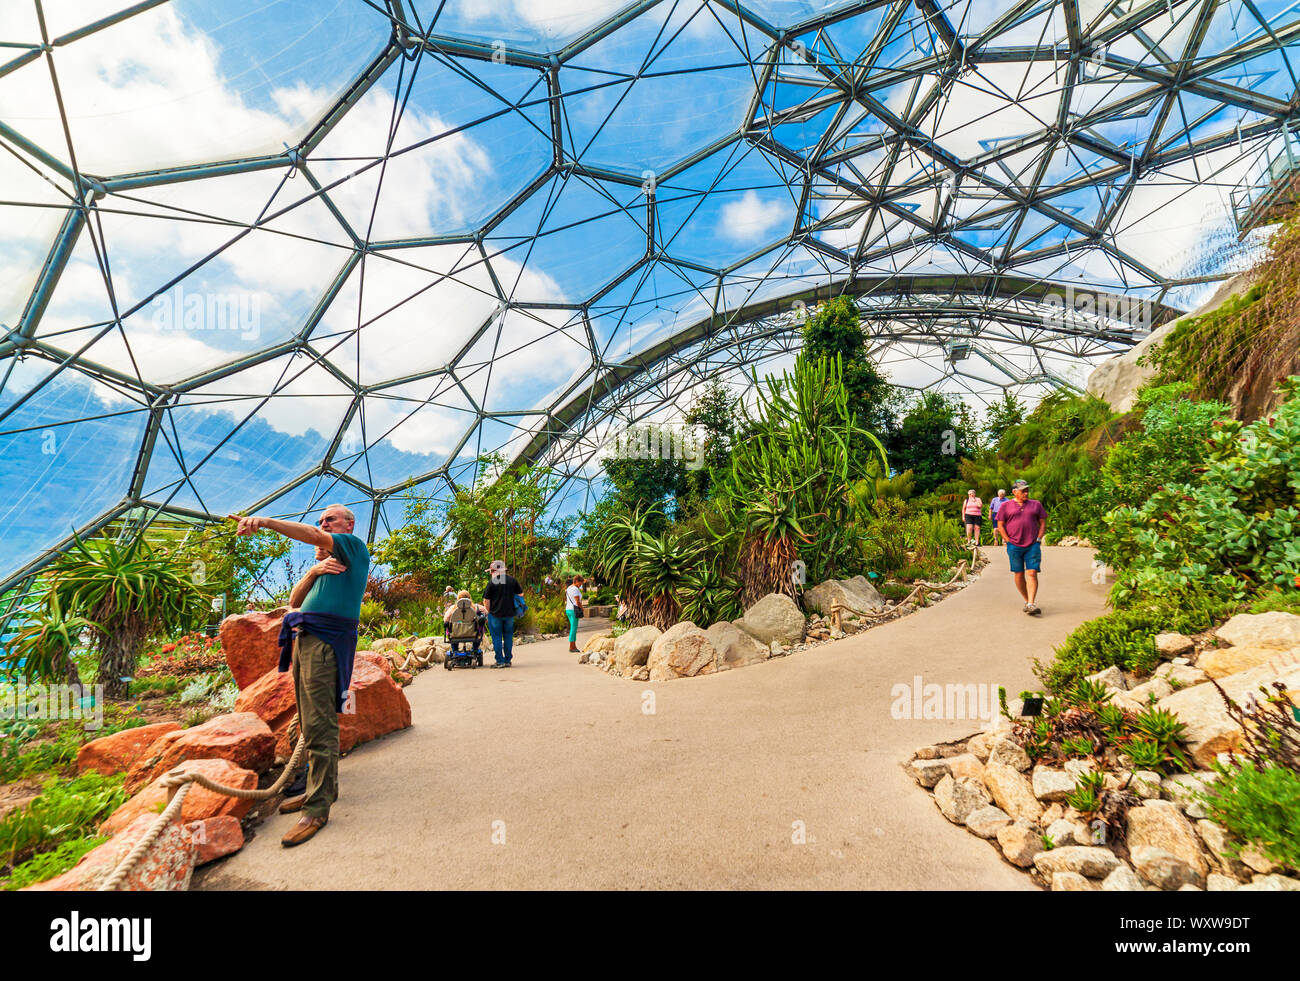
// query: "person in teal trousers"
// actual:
[[573, 610]]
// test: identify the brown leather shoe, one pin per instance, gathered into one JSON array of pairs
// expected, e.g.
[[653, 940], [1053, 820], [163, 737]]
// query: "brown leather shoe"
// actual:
[[573, 649], [292, 804], [303, 830]]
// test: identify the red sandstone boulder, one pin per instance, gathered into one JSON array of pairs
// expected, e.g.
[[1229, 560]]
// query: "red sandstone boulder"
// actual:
[[199, 803], [377, 706], [251, 643], [119, 752], [242, 738], [216, 837], [165, 867], [271, 699]]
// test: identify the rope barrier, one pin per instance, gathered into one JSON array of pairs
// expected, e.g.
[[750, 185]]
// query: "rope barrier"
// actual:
[[959, 574], [178, 785]]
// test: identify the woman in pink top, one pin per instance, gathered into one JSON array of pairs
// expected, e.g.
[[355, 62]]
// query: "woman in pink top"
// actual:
[[972, 509]]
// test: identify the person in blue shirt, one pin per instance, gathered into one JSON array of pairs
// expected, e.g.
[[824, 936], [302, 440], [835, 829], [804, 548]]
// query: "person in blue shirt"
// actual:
[[994, 505], [320, 641]]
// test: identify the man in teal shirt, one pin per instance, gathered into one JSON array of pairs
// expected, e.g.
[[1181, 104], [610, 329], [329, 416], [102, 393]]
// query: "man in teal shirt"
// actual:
[[324, 636]]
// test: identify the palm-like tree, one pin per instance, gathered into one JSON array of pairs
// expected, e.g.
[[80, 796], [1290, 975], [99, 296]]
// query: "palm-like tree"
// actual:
[[127, 593]]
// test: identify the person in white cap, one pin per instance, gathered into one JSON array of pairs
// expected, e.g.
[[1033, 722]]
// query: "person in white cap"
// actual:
[[499, 598], [1022, 521]]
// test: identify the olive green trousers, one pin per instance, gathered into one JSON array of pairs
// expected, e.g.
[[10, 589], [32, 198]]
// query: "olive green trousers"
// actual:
[[315, 683]]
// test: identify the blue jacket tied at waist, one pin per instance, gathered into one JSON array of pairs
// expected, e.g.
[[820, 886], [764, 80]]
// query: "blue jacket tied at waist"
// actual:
[[339, 632]]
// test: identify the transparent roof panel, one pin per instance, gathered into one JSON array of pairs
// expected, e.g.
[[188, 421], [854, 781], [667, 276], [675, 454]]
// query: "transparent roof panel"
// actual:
[[193, 80], [390, 251], [535, 26], [66, 455], [468, 138], [647, 96]]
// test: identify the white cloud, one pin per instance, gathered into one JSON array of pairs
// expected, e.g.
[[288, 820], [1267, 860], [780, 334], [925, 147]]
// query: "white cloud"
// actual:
[[751, 218]]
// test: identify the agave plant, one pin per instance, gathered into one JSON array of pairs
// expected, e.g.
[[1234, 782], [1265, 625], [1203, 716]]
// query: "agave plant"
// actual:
[[710, 595], [613, 555], [127, 593], [661, 568]]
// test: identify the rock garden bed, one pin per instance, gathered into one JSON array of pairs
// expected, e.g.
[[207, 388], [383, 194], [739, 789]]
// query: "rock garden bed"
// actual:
[[1089, 795], [775, 626]]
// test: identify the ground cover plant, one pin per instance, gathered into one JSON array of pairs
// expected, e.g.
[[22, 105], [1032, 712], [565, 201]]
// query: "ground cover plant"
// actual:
[[1257, 795]]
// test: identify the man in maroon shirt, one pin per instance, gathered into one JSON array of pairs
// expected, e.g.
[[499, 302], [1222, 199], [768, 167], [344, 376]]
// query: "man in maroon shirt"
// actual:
[[1021, 522]]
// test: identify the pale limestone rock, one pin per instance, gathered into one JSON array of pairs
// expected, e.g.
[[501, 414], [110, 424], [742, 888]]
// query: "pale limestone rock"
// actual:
[[1276, 629], [1011, 791], [1020, 842], [1052, 785], [987, 821], [1094, 861], [1216, 841], [775, 618], [1172, 645], [1164, 869], [929, 772], [1009, 753], [1224, 661], [1122, 879], [1161, 825], [1210, 729], [959, 798], [1111, 677], [1072, 882]]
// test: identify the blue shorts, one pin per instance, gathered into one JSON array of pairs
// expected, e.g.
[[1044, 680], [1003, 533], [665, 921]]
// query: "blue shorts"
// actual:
[[1024, 557]]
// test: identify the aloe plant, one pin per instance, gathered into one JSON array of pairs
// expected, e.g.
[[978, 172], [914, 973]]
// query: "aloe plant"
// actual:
[[126, 593], [44, 647], [789, 495]]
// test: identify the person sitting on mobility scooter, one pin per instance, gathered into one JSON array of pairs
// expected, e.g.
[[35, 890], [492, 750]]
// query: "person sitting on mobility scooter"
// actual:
[[463, 624]]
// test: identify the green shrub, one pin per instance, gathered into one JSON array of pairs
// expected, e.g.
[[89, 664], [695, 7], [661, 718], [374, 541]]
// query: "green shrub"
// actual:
[[47, 865], [1124, 639], [1257, 797], [893, 590], [372, 613], [1259, 805], [166, 684], [1276, 601], [1232, 532], [551, 621], [65, 810]]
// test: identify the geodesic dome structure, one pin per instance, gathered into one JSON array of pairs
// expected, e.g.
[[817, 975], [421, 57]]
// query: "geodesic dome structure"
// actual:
[[274, 255]]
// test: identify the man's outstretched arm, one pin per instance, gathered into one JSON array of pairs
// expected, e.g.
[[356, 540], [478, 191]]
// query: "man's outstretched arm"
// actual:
[[296, 530]]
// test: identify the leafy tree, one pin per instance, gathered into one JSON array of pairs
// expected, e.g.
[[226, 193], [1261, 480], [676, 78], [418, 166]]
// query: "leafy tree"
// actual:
[[235, 565], [1232, 530], [126, 593], [646, 476], [789, 493], [835, 329], [1001, 415], [715, 414], [500, 516], [934, 435]]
